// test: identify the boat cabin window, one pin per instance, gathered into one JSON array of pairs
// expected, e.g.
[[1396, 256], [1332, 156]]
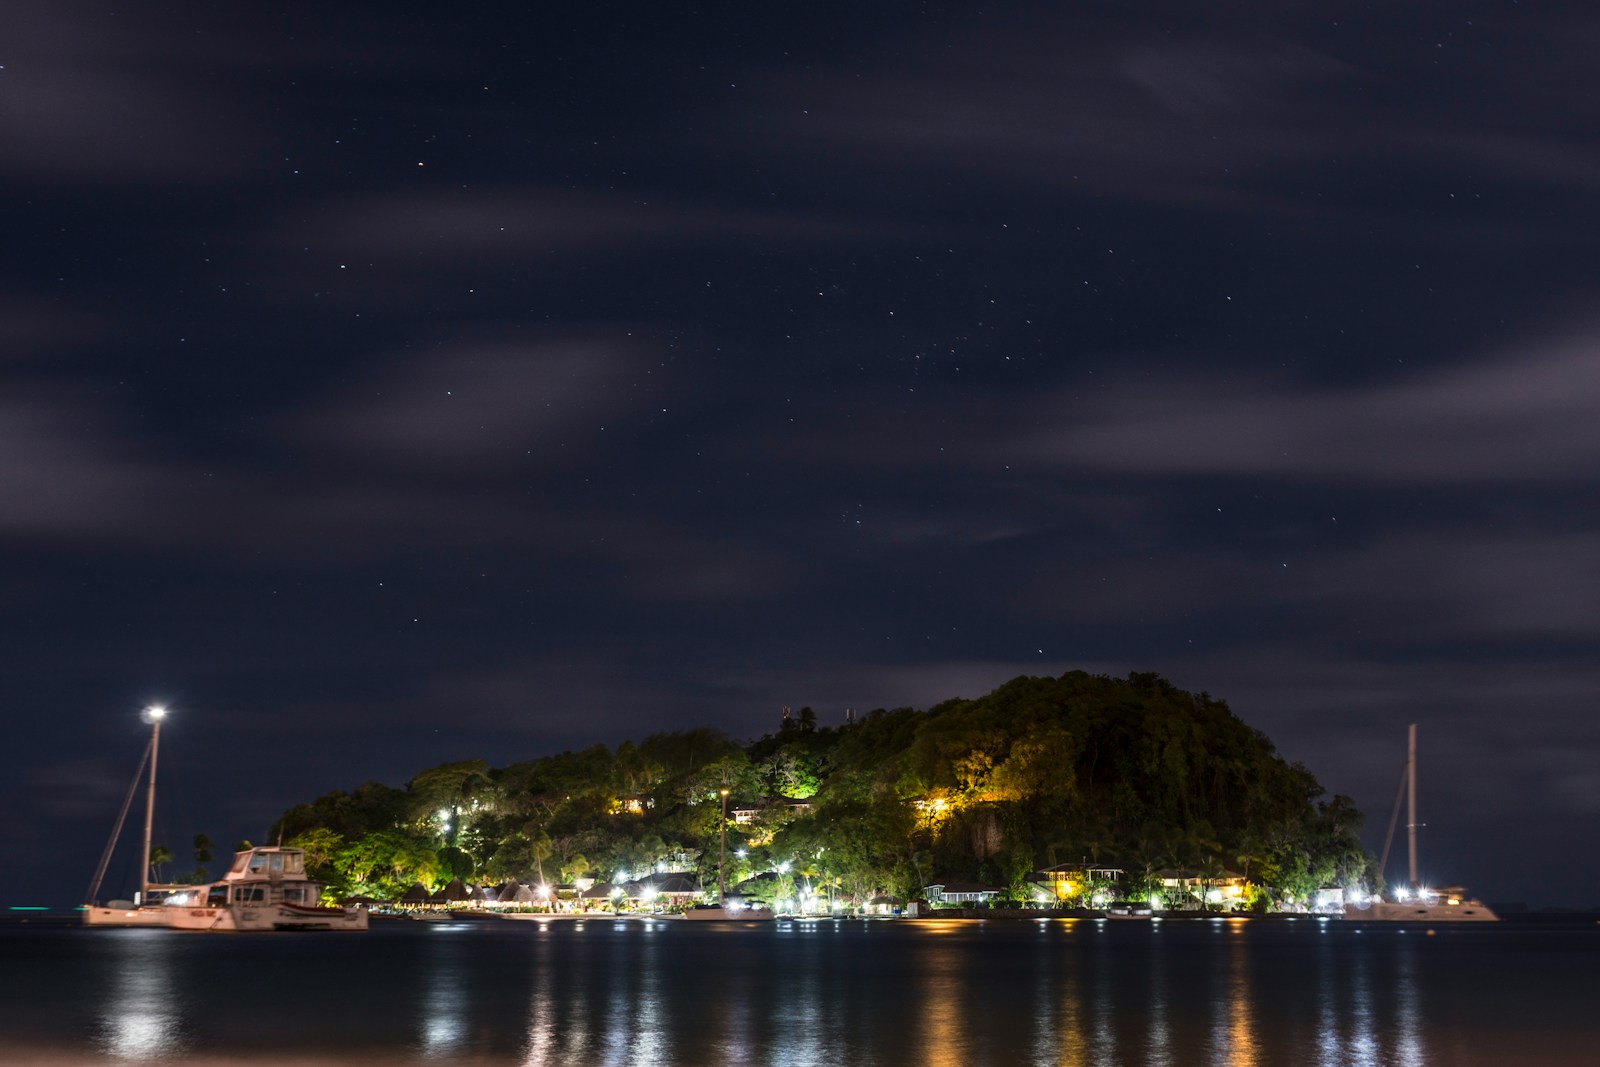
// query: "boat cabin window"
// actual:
[[270, 864], [217, 896], [249, 894]]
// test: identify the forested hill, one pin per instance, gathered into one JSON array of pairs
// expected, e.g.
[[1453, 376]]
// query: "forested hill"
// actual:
[[1132, 773]]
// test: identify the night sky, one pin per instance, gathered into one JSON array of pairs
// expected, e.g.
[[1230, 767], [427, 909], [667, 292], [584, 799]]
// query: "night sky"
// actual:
[[382, 385]]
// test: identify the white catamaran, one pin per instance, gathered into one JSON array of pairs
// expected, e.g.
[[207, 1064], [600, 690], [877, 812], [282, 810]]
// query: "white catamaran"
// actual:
[[265, 889], [1414, 902]]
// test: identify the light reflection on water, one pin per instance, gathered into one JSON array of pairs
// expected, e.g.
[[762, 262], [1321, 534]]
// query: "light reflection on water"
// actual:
[[1240, 1048], [673, 994], [143, 1016], [943, 1037], [1159, 1037], [1408, 1036]]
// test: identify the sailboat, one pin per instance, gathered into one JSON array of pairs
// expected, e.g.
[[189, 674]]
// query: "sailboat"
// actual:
[[1414, 902], [153, 905], [266, 888], [725, 908]]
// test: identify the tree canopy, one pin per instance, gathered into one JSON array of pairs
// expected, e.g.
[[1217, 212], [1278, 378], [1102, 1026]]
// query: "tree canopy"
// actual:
[[1133, 773]]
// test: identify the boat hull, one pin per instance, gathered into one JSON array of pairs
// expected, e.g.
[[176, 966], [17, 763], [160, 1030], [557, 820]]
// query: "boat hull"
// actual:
[[238, 919], [717, 913], [1418, 912], [159, 917]]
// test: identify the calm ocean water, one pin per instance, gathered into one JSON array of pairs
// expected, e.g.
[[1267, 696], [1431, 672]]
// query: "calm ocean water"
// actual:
[[929, 993]]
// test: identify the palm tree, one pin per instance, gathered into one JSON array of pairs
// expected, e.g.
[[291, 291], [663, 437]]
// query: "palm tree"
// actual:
[[202, 856], [540, 845], [159, 854]]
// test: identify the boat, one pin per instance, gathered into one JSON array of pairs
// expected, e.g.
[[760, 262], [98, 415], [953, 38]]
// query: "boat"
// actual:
[[731, 910], [153, 904], [1415, 902], [1130, 909], [266, 889]]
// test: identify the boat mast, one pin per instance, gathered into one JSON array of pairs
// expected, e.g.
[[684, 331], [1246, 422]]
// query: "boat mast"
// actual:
[[722, 855], [152, 715], [1411, 802]]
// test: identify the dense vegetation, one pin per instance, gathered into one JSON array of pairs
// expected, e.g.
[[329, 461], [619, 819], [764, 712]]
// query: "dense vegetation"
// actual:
[[1132, 773]]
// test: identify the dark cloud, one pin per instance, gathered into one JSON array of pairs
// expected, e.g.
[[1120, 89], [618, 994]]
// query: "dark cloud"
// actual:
[[1523, 415]]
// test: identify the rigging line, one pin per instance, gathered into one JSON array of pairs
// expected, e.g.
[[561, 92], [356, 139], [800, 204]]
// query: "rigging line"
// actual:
[[127, 801], [1394, 818]]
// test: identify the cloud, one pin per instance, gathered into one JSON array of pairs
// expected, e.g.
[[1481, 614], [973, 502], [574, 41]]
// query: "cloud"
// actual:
[[1264, 114], [469, 405], [66, 468], [525, 224], [111, 96], [1524, 416]]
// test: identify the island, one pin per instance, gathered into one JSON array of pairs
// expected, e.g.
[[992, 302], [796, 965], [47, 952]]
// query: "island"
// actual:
[[1074, 792]]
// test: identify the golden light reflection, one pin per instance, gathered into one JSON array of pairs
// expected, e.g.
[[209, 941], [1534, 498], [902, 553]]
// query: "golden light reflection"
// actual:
[[943, 1037], [1240, 1045], [1072, 1042]]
